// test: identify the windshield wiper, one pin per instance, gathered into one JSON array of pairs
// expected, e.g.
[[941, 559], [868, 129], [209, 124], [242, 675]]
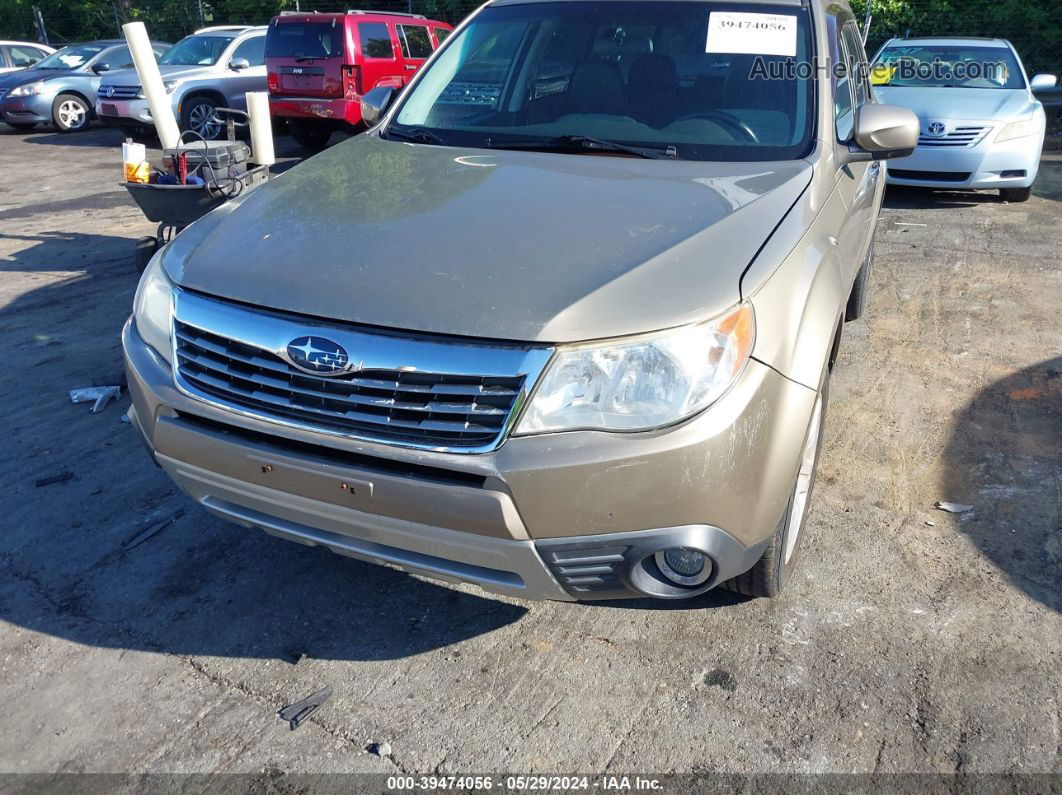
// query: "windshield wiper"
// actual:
[[575, 142], [417, 135]]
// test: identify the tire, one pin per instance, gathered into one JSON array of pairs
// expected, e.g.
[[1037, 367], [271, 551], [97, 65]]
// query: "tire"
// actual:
[[22, 126], [145, 250], [857, 299], [780, 559], [1015, 194], [71, 113], [197, 115], [309, 135]]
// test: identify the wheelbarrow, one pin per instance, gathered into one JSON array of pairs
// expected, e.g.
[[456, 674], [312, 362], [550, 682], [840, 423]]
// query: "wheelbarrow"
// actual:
[[173, 207]]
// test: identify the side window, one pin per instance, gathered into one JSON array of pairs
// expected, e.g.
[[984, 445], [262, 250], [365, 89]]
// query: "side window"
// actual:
[[118, 58], [252, 49], [375, 40], [856, 62], [415, 41], [441, 34], [21, 56], [840, 81]]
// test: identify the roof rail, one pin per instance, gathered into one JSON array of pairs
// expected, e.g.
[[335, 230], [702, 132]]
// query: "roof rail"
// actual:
[[387, 13], [296, 13], [213, 28]]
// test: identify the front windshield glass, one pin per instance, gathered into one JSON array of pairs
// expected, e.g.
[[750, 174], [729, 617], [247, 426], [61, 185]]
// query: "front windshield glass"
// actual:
[[70, 57], [698, 81], [948, 66], [196, 51]]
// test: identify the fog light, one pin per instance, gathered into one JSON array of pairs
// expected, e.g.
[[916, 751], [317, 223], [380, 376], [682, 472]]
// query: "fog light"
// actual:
[[684, 566]]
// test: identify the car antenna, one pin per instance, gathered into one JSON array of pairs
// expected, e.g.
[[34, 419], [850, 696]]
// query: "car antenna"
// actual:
[[866, 21]]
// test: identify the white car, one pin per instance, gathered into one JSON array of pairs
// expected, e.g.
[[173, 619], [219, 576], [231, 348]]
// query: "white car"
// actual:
[[981, 126], [15, 55]]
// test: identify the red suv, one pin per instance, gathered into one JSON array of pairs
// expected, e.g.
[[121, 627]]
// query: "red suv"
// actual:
[[319, 65]]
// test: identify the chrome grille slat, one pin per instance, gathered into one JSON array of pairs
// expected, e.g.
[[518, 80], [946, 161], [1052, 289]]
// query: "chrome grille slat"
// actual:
[[120, 92], [210, 363], [403, 405], [959, 137]]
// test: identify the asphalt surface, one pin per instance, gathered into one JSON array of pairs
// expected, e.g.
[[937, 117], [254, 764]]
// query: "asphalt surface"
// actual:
[[913, 639]]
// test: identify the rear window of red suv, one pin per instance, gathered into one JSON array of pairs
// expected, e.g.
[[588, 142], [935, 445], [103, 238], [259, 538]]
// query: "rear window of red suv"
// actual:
[[304, 40]]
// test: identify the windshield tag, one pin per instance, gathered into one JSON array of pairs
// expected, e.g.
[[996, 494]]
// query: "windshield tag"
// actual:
[[752, 34]]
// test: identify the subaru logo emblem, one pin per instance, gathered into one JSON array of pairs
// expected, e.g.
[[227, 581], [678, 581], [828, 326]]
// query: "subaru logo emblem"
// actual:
[[935, 128], [318, 355]]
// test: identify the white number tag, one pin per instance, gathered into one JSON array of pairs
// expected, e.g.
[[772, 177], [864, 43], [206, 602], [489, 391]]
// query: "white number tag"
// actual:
[[752, 34]]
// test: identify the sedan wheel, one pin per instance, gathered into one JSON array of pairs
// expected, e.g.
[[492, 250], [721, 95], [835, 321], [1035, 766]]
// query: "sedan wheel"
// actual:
[[70, 113]]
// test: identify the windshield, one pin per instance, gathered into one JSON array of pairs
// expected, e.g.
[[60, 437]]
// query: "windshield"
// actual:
[[304, 40], [70, 57], [196, 51], [947, 67], [699, 81]]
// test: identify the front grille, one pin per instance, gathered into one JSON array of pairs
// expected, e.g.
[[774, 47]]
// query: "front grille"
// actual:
[[119, 92], [961, 137], [587, 570], [930, 176], [416, 407]]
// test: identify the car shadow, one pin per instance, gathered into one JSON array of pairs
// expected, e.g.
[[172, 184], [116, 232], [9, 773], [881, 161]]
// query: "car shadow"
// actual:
[[100, 548], [1004, 457], [95, 135], [902, 197]]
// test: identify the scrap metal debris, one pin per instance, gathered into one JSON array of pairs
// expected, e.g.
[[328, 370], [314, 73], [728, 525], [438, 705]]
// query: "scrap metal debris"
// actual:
[[139, 539], [298, 712], [953, 507], [62, 477], [101, 395]]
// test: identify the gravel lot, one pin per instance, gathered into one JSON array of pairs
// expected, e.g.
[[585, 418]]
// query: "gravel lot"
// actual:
[[914, 640]]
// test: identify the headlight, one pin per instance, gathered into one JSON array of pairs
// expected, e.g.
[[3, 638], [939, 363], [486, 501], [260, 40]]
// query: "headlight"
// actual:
[[644, 382], [169, 85], [1018, 129], [152, 307], [28, 90]]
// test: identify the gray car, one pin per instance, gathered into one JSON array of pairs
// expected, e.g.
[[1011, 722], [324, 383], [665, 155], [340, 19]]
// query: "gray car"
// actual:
[[560, 325], [61, 89], [212, 68], [982, 128]]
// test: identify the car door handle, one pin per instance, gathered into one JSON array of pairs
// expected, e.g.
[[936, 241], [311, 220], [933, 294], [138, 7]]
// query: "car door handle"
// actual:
[[411, 66]]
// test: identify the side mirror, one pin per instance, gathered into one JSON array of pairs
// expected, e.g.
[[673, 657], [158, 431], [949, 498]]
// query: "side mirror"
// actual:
[[375, 104], [1043, 82], [239, 64], [100, 68], [883, 132]]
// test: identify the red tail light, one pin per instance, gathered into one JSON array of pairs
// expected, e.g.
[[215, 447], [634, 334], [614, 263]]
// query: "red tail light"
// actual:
[[273, 82], [351, 81]]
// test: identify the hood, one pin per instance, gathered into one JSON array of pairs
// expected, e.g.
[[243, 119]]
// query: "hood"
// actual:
[[31, 74], [496, 244], [129, 77], [974, 104]]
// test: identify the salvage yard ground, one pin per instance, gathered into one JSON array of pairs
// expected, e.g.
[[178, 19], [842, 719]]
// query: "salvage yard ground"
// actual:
[[913, 640]]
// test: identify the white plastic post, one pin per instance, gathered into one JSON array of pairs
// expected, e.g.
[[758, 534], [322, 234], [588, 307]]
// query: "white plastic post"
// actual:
[[148, 71], [261, 128]]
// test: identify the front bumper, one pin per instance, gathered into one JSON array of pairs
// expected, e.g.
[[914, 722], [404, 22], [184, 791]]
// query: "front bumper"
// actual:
[[26, 110], [980, 167], [564, 516], [340, 111], [119, 111]]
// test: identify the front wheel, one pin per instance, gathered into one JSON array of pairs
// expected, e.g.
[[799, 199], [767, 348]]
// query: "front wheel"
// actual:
[[198, 115], [1015, 194], [774, 569], [70, 113]]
